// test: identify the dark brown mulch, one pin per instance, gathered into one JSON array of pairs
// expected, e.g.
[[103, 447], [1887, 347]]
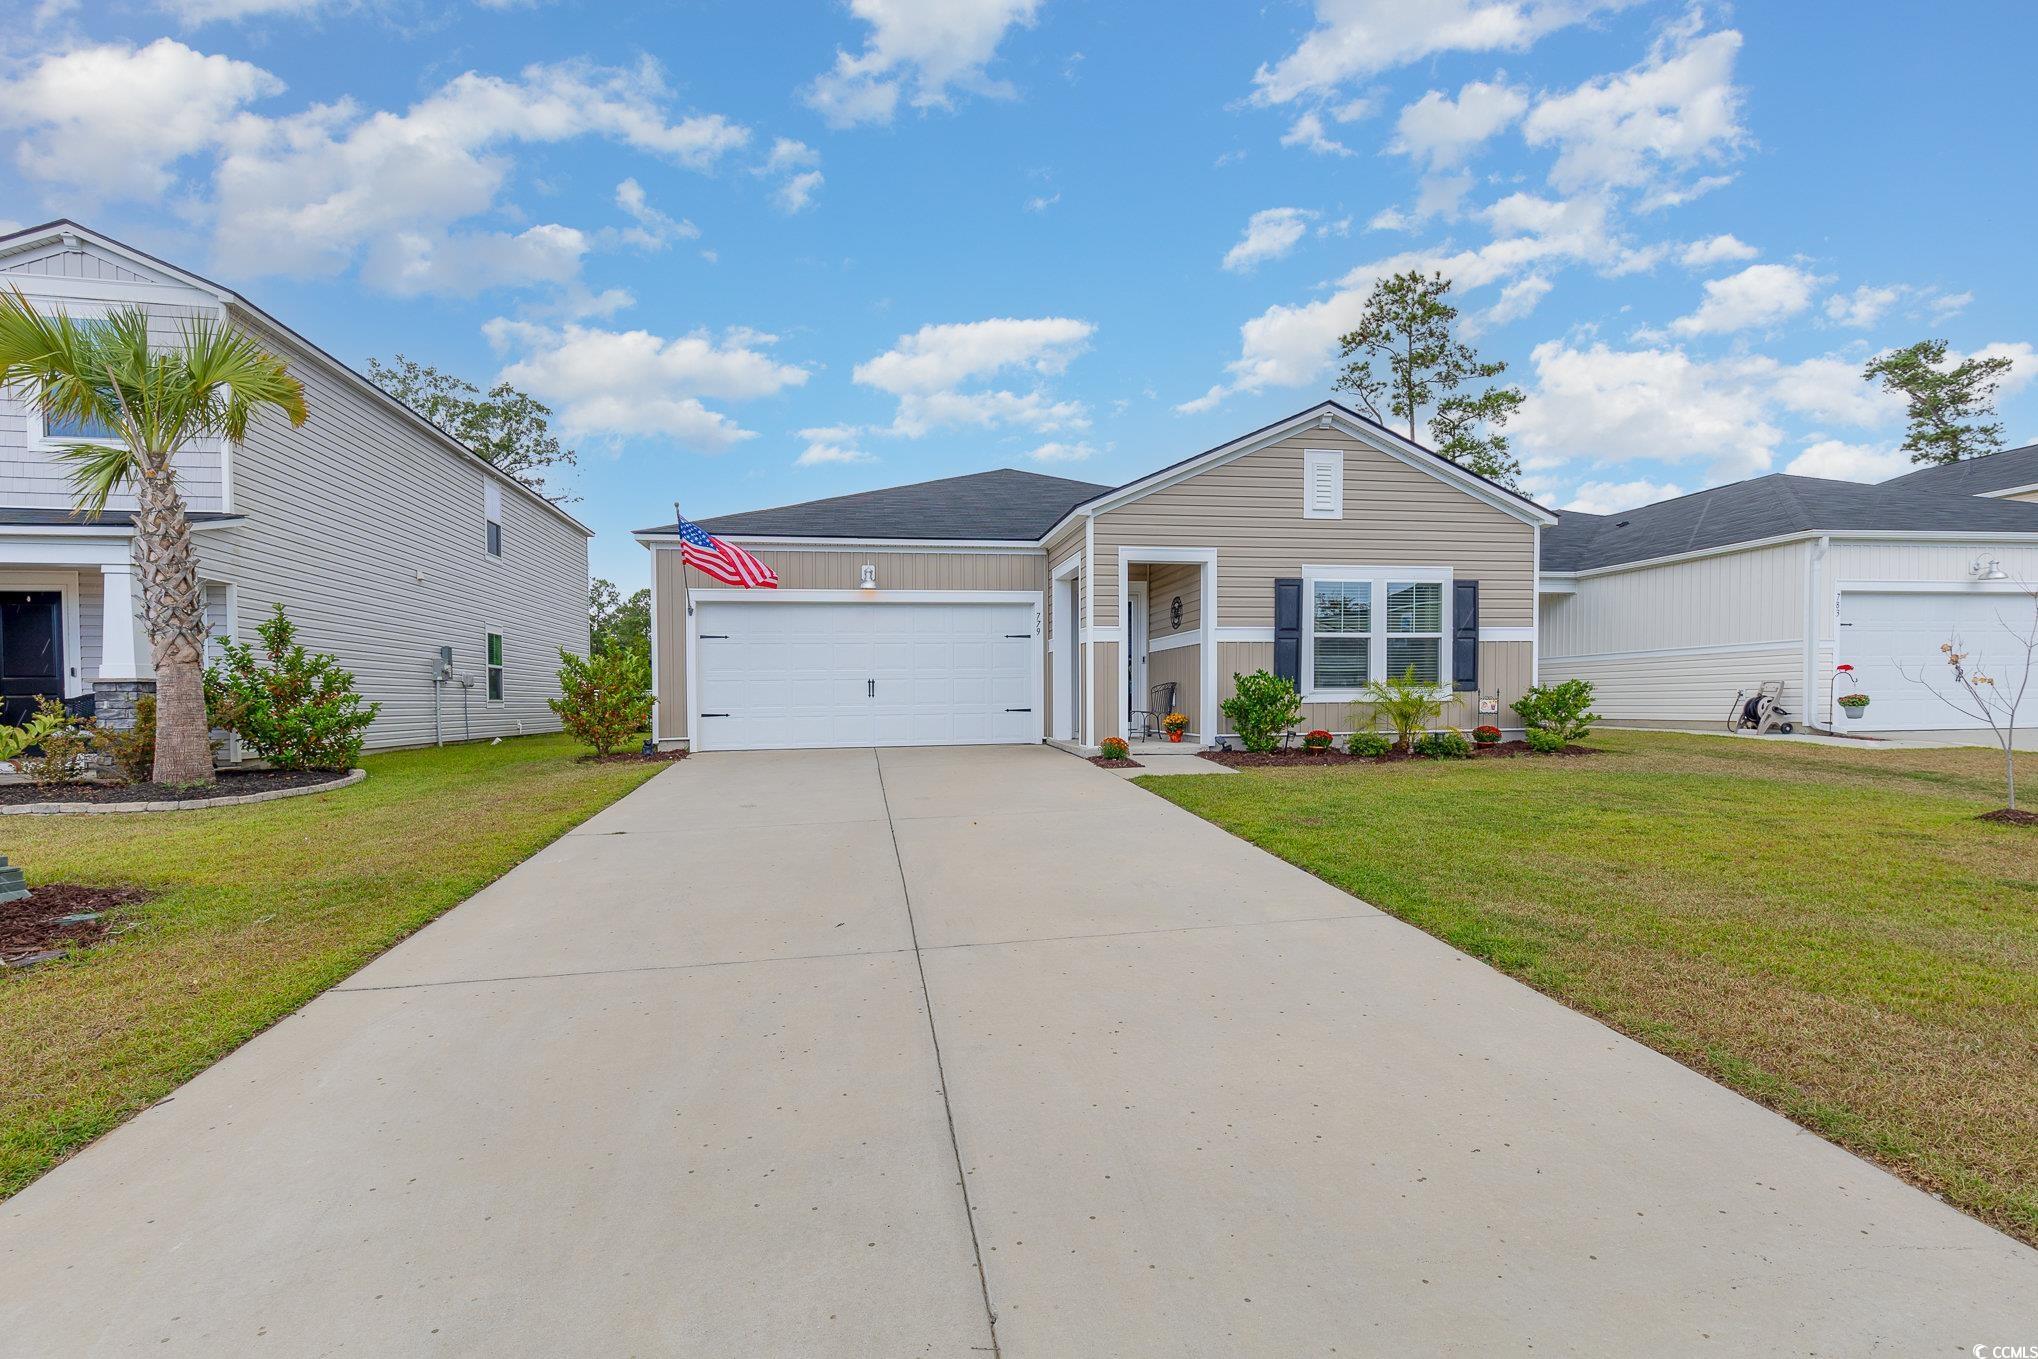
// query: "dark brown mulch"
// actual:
[[2010, 816], [635, 757], [230, 783], [35, 923], [1301, 759], [1102, 763]]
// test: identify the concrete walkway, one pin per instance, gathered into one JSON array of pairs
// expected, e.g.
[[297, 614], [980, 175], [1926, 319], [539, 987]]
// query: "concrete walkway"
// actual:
[[841, 1053]]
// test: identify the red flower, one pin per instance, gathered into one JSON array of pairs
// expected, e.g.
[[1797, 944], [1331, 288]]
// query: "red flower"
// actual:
[[1486, 735]]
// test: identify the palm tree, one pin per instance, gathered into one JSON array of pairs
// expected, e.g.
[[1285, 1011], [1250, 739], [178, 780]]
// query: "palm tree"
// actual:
[[156, 400]]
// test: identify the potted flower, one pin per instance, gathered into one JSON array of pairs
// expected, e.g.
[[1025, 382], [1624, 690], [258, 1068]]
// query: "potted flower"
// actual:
[[1486, 735], [1318, 740], [1853, 705], [1174, 724]]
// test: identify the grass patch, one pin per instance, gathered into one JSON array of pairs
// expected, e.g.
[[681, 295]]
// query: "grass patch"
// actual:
[[256, 910], [1827, 930]]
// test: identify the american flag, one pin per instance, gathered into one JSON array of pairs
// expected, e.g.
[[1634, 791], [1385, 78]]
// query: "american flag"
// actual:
[[724, 561]]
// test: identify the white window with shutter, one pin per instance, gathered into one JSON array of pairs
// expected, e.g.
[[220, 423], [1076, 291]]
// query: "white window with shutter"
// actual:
[[1323, 483]]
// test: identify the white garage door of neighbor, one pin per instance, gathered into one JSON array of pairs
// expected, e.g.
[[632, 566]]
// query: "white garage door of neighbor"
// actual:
[[790, 674], [1893, 638]]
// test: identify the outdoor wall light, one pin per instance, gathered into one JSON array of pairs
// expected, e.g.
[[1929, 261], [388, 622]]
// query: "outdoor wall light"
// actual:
[[1987, 568], [866, 579]]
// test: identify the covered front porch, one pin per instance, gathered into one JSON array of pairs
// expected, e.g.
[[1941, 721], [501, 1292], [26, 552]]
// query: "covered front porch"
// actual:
[[70, 628]]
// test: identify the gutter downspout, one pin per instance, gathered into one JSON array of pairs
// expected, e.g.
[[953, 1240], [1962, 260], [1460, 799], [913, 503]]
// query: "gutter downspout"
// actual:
[[1814, 596]]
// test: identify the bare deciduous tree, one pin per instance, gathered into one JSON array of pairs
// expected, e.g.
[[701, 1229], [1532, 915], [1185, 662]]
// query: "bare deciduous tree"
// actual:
[[1993, 699]]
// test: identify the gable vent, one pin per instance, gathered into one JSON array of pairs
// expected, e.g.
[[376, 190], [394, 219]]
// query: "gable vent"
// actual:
[[1323, 483]]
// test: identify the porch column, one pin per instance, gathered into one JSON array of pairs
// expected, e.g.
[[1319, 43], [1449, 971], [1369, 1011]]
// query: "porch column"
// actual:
[[123, 648]]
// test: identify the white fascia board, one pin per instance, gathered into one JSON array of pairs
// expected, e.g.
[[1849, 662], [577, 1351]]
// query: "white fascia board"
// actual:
[[1004, 546], [2008, 491], [1978, 536]]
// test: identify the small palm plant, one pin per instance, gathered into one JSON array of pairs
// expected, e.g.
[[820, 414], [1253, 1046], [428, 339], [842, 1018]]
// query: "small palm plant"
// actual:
[[210, 384], [1408, 704]]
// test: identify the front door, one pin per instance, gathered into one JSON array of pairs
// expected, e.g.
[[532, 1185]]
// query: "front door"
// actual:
[[1135, 652], [31, 651]]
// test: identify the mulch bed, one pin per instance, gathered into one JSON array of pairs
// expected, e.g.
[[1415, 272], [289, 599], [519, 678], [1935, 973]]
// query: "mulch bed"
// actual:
[[230, 783], [1102, 763], [1299, 758], [2010, 816], [635, 757], [36, 925]]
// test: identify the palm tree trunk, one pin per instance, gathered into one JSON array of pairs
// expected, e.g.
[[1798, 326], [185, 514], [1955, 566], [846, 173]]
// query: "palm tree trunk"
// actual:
[[173, 611]]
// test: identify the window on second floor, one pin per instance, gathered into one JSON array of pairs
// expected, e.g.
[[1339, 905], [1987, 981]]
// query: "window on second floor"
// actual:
[[491, 512]]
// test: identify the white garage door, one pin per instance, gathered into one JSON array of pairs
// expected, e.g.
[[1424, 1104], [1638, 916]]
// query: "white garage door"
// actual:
[[790, 674], [1893, 640]]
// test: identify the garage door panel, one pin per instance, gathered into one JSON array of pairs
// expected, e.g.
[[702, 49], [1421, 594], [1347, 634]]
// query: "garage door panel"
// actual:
[[1893, 640], [811, 673]]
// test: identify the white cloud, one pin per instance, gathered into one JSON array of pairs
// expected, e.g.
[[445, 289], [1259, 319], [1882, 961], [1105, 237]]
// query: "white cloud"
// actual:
[[1356, 38], [1436, 196], [921, 49], [1307, 132], [1727, 249], [788, 154], [1677, 109], [1517, 300], [928, 369], [798, 192], [634, 383], [1269, 234], [820, 454], [654, 230], [797, 167], [1610, 497], [1061, 452], [193, 12], [2023, 363], [114, 120], [1863, 307], [1042, 202], [1760, 295], [1610, 406], [1443, 131], [463, 264], [1840, 461]]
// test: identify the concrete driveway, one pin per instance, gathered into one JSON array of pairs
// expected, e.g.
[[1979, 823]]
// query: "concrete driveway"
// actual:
[[844, 1053]]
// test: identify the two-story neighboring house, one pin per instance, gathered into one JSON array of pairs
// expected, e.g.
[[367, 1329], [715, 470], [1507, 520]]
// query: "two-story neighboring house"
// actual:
[[383, 537]]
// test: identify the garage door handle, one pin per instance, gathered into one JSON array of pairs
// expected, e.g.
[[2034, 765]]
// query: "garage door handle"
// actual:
[[1019, 636], [1018, 710], [713, 637], [714, 714]]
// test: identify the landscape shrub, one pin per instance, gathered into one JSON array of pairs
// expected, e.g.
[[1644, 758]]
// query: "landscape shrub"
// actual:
[[1544, 742], [1264, 707], [605, 699], [295, 708], [1407, 704], [1564, 710], [1318, 739], [1448, 744], [1114, 748], [64, 744], [1486, 735], [14, 740], [1369, 744]]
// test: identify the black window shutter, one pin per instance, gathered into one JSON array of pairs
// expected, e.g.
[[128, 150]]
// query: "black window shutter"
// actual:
[[1288, 629], [1465, 637]]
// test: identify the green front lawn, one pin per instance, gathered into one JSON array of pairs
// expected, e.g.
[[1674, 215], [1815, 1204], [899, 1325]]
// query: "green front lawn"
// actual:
[[258, 909], [1827, 930]]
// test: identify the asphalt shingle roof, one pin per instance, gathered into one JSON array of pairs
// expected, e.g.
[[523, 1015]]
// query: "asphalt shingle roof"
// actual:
[[1000, 505], [1770, 507], [2011, 468]]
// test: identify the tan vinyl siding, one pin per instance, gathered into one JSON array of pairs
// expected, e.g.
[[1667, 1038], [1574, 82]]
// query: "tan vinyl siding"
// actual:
[[823, 569], [1505, 668], [369, 531], [1167, 582], [1250, 510]]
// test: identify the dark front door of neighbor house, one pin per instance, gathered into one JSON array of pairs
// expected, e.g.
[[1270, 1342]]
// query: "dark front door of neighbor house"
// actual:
[[31, 651]]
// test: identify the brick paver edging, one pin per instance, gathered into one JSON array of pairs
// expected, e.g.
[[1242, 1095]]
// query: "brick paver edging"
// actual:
[[353, 777]]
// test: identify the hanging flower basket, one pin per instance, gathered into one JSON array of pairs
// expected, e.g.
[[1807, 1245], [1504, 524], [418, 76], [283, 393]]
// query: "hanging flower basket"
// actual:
[[1853, 705]]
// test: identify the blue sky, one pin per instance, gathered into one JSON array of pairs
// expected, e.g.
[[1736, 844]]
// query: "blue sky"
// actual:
[[758, 253]]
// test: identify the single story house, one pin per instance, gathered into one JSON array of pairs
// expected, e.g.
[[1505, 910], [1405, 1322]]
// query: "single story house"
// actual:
[[447, 587], [1009, 606], [1671, 608]]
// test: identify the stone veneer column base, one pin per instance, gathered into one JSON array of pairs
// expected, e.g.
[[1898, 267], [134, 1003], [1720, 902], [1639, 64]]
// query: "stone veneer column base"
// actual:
[[113, 701], [13, 887]]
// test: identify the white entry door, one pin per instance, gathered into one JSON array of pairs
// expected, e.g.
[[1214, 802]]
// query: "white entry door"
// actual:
[[789, 674], [1892, 639]]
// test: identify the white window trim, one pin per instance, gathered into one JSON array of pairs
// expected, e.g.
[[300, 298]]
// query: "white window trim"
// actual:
[[41, 438], [489, 630], [1376, 652], [1313, 458]]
